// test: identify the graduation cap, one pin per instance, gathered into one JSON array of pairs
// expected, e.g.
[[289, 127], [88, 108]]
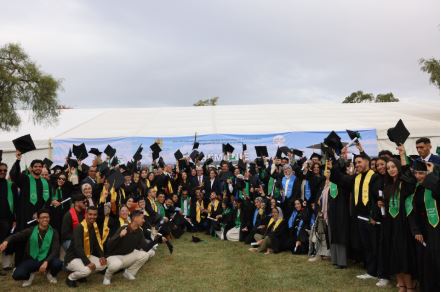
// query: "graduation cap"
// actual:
[[278, 153], [72, 163], [353, 134], [155, 155], [201, 156], [194, 155], [195, 145], [195, 239], [227, 148], [398, 134], [57, 168], [327, 151], [47, 162], [285, 150], [80, 151], [137, 156], [24, 144], [244, 147], [419, 165], [178, 155], [69, 154], [116, 179], [208, 161], [161, 162], [261, 151], [104, 169], [155, 148], [334, 141], [95, 151], [315, 155], [110, 151], [297, 152], [115, 161]]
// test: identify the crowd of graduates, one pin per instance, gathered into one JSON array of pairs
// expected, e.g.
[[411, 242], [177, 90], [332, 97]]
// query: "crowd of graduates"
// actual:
[[107, 216]]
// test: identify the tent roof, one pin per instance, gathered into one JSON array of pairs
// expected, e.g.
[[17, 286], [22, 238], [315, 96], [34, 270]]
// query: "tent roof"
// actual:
[[420, 119]]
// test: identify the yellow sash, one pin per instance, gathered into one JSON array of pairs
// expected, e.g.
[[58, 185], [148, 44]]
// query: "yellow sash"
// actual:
[[277, 223], [122, 222], [86, 237], [102, 198], [106, 228], [365, 188], [216, 204], [154, 206], [113, 196], [199, 206]]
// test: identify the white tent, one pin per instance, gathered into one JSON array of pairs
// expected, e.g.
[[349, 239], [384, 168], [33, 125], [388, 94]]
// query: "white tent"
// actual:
[[420, 119]]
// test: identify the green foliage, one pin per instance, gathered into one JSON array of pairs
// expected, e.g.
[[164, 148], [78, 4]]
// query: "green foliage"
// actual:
[[360, 97], [209, 101], [431, 66], [24, 86]]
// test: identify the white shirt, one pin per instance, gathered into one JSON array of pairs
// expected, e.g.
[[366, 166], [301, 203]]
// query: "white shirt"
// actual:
[[286, 185], [185, 207], [427, 157]]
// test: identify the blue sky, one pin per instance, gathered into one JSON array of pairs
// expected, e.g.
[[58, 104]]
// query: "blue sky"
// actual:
[[172, 53]]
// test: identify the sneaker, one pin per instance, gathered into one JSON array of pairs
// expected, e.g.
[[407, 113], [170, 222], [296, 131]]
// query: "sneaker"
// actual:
[[106, 281], [51, 278], [382, 283], [128, 276], [365, 277], [71, 283], [313, 259], [28, 282]]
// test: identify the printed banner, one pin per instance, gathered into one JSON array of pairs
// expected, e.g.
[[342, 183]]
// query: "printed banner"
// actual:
[[210, 145]]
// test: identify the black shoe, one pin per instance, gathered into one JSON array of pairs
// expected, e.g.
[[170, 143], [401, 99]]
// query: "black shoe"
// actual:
[[70, 283], [82, 280]]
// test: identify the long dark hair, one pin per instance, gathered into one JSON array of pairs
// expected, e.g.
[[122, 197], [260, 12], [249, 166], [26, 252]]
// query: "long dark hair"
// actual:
[[390, 186]]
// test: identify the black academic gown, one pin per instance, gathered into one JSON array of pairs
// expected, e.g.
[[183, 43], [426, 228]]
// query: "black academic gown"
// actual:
[[7, 217], [260, 219], [297, 232], [429, 256], [25, 209], [338, 217], [57, 213], [278, 236]]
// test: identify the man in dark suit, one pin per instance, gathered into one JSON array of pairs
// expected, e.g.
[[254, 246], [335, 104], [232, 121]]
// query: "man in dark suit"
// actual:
[[423, 146], [211, 184], [91, 178]]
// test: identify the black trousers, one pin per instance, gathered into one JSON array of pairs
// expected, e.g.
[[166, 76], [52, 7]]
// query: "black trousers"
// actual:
[[28, 266], [367, 233]]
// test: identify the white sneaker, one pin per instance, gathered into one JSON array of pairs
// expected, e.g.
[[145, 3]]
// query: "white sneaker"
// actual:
[[128, 276], [365, 277], [28, 282], [51, 278], [106, 281], [313, 259], [382, 283]]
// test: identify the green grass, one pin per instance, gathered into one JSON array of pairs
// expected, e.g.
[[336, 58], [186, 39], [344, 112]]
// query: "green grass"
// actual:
[[215, 265]]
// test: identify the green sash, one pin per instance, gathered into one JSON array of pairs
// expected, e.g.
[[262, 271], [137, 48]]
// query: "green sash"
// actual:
[[10, 196], [33, 199], [429, 203], [247, 191], [272, 189], [431, 209], [394, 203], [58, 194], [333, 190], [237, 221], [161, 209], [36, 252]]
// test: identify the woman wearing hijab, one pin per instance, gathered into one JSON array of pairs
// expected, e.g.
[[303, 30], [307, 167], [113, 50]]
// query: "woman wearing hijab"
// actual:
[[275, 236]]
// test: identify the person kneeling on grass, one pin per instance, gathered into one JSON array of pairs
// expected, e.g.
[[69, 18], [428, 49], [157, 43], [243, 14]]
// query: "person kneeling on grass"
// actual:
[[85, 255], [274, 237], [41, 253], [127, 249]]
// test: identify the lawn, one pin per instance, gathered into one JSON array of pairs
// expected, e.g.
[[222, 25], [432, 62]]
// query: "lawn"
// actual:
[[215, 265]]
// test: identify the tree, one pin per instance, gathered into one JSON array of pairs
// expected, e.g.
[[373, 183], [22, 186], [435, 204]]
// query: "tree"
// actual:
[[208, 101], [360, 97], [24, 86], [387, 97], [431, 66]]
